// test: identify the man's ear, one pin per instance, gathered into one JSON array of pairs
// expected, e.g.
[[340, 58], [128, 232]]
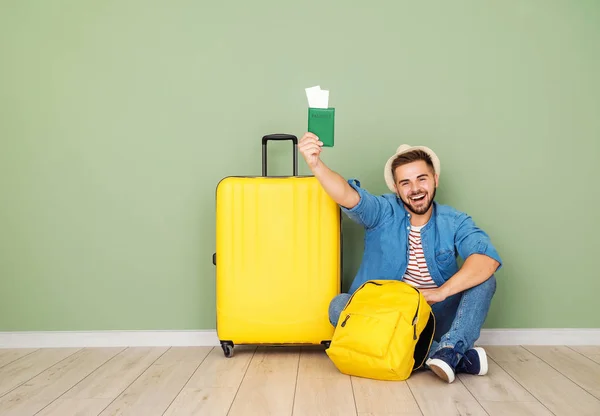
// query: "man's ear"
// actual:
[[437, 180]]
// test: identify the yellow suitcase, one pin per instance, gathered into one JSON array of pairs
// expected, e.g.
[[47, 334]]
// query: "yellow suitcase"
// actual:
[[278, 258]]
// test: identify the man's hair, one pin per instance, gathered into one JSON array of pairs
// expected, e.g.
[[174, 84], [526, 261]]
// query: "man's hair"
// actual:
[[409, 157]]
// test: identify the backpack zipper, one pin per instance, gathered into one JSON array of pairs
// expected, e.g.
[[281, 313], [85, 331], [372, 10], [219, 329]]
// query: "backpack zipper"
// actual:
[[416, 318], [361, 286], [350, 300]]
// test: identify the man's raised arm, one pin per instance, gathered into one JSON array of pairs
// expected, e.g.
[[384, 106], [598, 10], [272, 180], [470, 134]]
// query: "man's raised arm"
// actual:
[[362, 207], [333, 183]]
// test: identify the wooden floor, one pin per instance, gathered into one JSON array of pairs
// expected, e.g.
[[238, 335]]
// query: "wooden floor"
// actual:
[[522, 380]]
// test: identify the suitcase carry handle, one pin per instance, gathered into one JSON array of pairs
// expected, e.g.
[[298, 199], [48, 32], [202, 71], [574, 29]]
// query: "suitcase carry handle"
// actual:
[[291, 137]]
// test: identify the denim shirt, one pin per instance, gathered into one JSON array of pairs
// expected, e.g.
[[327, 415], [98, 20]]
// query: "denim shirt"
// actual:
[[448, 234]]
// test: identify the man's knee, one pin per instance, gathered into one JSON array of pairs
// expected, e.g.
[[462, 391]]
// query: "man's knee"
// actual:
[[336, 306]]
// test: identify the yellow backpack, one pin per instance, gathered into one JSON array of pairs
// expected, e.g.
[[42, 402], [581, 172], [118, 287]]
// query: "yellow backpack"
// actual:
[[384, 332]]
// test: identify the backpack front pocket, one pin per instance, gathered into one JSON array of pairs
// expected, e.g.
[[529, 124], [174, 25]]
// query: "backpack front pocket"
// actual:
[[365, 333]]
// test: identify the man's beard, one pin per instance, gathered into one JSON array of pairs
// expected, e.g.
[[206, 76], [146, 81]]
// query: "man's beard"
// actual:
[[422, 210]]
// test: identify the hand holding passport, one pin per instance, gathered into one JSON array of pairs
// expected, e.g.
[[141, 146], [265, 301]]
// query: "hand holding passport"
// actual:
[[321, 118]]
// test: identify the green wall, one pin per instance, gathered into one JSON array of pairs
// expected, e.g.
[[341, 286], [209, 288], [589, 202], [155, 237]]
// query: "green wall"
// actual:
[[118, 119]]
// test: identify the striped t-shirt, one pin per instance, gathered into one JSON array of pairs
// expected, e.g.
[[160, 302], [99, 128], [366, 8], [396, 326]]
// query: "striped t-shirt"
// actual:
[[417, 273]]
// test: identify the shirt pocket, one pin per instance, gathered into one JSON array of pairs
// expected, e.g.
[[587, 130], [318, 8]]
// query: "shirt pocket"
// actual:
[[444, 257]]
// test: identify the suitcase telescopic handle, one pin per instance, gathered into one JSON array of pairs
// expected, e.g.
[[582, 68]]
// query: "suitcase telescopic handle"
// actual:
[[291, 137]]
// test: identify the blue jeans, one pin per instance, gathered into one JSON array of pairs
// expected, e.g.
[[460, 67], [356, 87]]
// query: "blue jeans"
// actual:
[[458, 319]]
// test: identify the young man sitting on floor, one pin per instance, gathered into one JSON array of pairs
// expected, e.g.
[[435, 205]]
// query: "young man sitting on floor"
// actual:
[[410, 237]]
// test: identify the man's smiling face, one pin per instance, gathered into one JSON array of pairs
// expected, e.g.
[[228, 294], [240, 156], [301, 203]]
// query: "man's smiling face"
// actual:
[[416, 184]]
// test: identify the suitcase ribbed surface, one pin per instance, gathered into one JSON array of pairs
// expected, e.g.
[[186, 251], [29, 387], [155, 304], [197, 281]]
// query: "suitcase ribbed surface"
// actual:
[[278, 260]]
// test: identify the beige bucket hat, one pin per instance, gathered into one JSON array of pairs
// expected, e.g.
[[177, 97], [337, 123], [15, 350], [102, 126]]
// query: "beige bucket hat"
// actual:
[[405, 148]]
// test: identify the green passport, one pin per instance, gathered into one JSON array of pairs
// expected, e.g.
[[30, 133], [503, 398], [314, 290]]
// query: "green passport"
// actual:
[[321, 122]]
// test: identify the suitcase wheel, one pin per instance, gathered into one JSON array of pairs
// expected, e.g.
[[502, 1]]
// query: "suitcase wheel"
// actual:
[[227, 348]]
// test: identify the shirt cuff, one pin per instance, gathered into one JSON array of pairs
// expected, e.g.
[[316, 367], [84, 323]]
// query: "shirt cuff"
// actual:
[[487, 249], [357, 209]]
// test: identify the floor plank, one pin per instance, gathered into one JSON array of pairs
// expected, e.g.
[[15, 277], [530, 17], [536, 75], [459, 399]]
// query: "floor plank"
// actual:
[[401, 412], [9, 355], [515, 408], [101, 387], [496, 386], [581, 370], [499, 394], [377, 397], [590, 351], [74, 407], [529, 380], [268, 385], [152, 393], [436, 397], [18, 372], [555, 391], [213, 386], [321, 388], [43, 389]]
